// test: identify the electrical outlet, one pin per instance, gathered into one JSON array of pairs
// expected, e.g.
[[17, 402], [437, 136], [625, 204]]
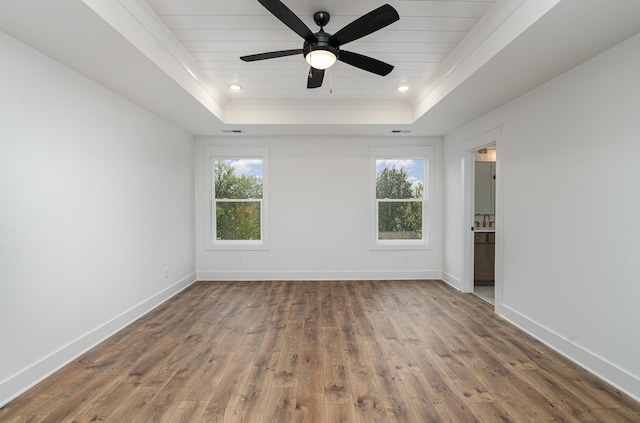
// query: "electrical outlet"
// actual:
[[166, 273]]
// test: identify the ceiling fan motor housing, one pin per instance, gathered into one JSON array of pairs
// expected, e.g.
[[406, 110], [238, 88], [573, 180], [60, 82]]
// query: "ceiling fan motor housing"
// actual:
[[321, 44]]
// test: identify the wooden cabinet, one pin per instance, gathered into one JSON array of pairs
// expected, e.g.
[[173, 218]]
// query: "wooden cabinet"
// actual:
[[484, 258]]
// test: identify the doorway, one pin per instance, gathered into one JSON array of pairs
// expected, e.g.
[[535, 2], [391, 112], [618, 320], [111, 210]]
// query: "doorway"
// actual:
[[484, 224], [482, 247]]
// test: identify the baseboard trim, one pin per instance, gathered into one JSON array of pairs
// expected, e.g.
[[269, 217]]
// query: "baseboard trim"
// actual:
[[452, 281], [24, 380], [21, 382], [319, 275], [610, 373]]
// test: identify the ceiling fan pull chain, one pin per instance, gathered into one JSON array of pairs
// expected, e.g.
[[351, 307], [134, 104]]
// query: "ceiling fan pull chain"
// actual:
[[330, 82]]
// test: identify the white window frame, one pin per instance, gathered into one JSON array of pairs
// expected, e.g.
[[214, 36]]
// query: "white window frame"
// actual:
[[425, 153], [234, 152]]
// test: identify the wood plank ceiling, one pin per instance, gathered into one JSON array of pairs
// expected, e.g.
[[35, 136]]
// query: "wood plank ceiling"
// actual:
[[217, 33]]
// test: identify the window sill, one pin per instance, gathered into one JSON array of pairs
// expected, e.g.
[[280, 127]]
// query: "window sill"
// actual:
[[391, 246]]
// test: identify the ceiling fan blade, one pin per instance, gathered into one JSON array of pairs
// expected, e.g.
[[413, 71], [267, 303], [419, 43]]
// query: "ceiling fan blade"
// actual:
[[282, 12], [270, 55], [365, 25], [315, 78], [365, 63]]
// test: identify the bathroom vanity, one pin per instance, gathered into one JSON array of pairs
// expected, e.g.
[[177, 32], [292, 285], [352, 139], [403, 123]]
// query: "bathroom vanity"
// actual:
[[484, 257]]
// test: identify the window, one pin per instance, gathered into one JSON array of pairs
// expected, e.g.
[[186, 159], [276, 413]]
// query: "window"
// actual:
[[400, 185], [399, 198], [237, 188], [237, 197]]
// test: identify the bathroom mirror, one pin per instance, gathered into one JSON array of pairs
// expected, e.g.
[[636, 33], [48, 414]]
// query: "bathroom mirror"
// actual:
[[485, 201]]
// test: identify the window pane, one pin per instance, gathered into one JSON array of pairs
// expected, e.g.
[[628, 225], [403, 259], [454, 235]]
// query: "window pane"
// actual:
[[400, 220], [238, 220], [399, 178], [238, 178]]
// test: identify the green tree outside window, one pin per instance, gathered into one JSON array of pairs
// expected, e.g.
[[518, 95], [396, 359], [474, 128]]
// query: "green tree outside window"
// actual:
[[238, 200], [400, 197]]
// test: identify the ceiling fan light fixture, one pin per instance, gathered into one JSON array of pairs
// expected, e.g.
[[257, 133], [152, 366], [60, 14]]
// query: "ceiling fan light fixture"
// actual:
[[320, 59], [321, 49]]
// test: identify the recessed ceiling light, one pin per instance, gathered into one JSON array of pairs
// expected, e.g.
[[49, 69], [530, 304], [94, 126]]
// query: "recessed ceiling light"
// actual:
[[403, 88], [235, 87]]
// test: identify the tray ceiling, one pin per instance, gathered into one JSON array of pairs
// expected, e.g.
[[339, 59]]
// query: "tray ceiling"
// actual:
[[459, 58]]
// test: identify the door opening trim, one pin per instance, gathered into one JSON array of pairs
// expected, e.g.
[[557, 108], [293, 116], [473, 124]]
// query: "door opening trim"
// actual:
[[471, 146]]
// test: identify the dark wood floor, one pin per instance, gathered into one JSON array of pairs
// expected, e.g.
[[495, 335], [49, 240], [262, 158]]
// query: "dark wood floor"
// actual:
[[252, 352]]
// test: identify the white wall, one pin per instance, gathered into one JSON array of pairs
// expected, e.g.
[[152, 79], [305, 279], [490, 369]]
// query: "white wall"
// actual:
[[570, 229], [319, 214], [96, 200]]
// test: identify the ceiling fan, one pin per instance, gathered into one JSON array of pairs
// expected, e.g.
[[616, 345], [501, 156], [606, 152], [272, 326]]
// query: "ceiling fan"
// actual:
[[321, 50]]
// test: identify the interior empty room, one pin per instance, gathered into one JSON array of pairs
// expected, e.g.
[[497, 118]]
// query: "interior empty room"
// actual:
[[198, 222]]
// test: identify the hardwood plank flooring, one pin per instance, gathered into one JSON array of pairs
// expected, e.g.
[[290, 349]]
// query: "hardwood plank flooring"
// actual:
[[321, 352]]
